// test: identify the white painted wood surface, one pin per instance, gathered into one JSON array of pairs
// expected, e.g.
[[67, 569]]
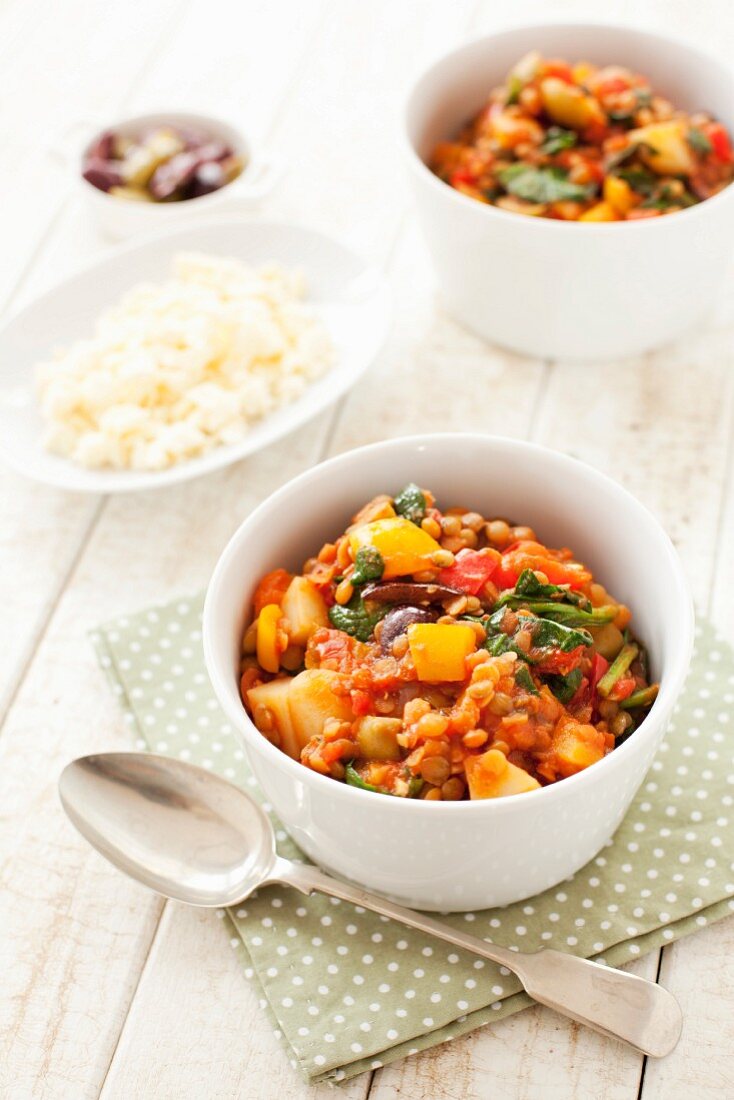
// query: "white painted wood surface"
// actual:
[[106, 990]]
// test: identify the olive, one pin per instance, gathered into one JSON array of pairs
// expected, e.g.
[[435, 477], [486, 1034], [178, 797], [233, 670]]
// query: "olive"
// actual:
[[397, 621]]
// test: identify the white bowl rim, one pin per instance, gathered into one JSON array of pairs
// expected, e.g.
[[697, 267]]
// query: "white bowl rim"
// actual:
[[305, 481], [192, 118], [646, 224]]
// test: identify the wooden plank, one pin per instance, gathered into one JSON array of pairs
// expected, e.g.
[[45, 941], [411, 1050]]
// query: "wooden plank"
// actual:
[[161, 526], [38, 59], [42, 530], [218, 1041], [220, 503], [535, 1053]]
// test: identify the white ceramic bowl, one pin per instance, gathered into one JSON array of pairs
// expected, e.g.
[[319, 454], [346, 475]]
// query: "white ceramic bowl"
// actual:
[[461, 855], [569, 289], [119, 218], [349, 295]]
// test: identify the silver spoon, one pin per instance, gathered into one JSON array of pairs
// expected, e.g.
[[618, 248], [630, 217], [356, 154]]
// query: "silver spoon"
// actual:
[[192, 836]]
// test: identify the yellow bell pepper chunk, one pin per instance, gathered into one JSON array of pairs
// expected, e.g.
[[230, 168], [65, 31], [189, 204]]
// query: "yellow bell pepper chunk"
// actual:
[[405, 547], [568, 105], [439, 650], [602, 212], [268, 656], [491, 775], [618, 194]]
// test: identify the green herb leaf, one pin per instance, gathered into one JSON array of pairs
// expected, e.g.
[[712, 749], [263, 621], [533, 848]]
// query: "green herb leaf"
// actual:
[[354, 779], [643, 97], [497, 644], [528, 586], [663, 198], [570, 614], [565, 687], [514, 86], [558, 139], [699, 142], [410, 503], [542, 184], [354, 618], [639, 179], [524, 680], [369, 565], [622, 118], [548, 634], [415, 786]]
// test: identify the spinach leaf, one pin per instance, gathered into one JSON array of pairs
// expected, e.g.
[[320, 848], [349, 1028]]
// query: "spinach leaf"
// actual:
[[354, 618], [664, 198], [542, 184], [354, 779], [699, 142], [524, 680], [643, 97], [529, 587], [622, 118], [565, 687], [497, 644], [551, 635], [410, 503], [369, 565], [557, 140], [570, 614], [639, 179], [415, 786]]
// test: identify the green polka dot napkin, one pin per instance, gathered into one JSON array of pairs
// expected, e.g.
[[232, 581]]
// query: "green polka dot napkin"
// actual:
[[347, 990]]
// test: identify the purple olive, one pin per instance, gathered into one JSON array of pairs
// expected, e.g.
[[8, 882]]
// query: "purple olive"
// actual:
[[212, 150], [413, 592], [103, 148], [173, 175], [208, 177], [102, 174], [397, 621]]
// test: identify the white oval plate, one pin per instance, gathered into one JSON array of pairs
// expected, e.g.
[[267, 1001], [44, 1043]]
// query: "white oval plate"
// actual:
[[350, 296]]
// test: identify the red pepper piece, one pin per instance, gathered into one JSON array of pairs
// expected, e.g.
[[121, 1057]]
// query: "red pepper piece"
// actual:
[[720, 142], [470, 571]]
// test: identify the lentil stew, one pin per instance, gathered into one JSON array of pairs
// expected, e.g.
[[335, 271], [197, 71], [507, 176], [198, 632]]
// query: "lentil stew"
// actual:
[[585, 143], [442, 655]]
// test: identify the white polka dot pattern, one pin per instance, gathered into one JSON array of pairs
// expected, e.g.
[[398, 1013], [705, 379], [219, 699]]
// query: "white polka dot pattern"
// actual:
[[342, 985]]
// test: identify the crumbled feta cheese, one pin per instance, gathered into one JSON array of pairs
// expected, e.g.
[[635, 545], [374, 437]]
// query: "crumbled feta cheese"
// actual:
[[177, 368]]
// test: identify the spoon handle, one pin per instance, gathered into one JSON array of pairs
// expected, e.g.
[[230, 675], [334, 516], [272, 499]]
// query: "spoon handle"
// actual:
[[616, 1003]]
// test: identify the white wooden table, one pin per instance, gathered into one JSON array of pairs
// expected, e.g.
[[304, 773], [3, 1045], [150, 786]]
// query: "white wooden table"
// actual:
[[105, 989]]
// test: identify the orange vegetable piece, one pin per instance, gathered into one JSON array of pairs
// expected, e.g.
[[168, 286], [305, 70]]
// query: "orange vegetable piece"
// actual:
[[439, 650], [405, 548], [268, 651], [271, 589], [491, 775]]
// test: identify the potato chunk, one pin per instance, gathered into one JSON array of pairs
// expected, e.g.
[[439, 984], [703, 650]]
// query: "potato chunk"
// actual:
[[663, 147], [312, 700], [491, 775], [270, 711], [305, 609], [298, 708]]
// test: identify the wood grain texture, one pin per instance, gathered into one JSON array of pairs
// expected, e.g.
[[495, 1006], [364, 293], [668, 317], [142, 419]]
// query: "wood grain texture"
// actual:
[[99, 993], [189, 980]]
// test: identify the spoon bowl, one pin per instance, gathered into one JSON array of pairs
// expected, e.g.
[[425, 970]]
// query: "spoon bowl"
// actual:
[[179, 830]]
